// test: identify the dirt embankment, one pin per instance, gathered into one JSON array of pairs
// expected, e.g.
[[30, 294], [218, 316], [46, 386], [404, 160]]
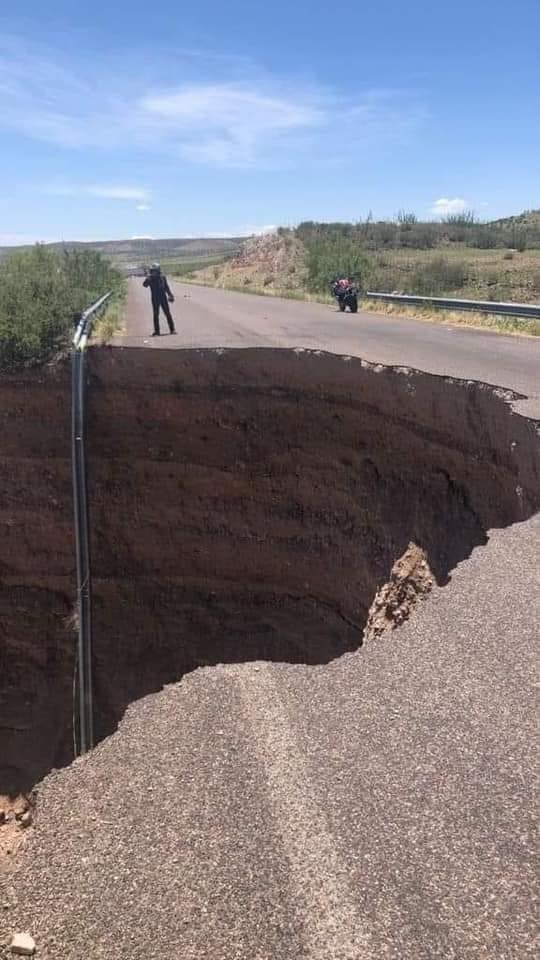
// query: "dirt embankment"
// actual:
[[273, 263], [244, 504]]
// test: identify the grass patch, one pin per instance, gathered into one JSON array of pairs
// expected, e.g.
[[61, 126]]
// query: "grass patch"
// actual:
[[484, 321], [111, 322]]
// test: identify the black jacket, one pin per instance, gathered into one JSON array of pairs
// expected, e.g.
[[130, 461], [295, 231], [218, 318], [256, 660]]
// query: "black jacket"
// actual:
[[159, 286]]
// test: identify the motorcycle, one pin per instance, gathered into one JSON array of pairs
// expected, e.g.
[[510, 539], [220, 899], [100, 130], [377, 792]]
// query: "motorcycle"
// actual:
[[346, 296]]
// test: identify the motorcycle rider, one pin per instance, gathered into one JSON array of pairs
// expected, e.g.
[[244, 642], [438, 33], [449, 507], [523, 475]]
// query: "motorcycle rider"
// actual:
[[341, 284], [345, 290], [161, 295]]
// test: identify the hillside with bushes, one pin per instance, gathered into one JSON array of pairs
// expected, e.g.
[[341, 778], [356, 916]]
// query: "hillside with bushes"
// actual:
[[459, 257]]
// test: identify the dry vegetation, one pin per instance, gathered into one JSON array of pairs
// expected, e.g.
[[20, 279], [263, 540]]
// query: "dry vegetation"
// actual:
[[463, 272]]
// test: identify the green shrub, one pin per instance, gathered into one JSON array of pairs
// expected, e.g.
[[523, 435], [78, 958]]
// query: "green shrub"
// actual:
[[40, 292], [406, 219], [331, 257], [438, 276]]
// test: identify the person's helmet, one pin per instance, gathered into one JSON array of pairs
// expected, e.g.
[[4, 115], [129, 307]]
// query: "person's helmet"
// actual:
[[155, 268]]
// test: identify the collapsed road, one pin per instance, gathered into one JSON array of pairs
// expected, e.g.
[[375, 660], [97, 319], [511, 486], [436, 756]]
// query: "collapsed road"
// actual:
[[297, 794]]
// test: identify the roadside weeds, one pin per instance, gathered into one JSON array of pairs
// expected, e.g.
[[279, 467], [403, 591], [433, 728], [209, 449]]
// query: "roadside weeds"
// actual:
[[112, 321]]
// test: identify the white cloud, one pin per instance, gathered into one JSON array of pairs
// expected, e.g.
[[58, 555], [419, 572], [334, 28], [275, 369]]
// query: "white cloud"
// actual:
[[227, 123], [100, 191], [143, 207], [231, 116], [241, 124], [445, 206]]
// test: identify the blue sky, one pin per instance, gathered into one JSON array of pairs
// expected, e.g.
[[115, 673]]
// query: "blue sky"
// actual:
[[124, 119]]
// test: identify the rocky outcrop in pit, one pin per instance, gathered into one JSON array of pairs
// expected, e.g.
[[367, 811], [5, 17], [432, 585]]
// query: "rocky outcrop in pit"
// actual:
[[245, 505]]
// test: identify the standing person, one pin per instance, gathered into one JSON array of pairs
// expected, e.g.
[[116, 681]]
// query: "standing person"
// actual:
[[161, 297]]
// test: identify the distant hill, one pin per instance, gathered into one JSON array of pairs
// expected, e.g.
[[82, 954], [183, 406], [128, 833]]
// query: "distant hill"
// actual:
[[526, 216], [529, 218], [129, 254]]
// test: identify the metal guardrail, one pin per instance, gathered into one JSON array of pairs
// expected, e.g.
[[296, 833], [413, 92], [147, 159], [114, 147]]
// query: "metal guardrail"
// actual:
[[82, 538], [85, 321], [523, 310]]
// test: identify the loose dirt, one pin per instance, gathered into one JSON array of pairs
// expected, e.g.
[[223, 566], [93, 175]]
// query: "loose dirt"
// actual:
[[410, 580], [16, 818]]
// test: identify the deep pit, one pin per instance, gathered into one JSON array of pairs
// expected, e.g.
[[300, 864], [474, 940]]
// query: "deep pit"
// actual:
[[245, 505]]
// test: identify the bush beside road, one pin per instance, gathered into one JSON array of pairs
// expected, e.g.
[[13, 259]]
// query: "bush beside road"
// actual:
[[41, 290]]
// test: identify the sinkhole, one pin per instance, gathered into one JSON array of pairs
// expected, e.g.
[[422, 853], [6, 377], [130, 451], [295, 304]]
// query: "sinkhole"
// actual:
[[244, 505]]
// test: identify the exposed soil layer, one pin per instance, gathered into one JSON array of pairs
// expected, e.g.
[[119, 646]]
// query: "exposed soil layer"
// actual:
[[410, 580], [245, 505]]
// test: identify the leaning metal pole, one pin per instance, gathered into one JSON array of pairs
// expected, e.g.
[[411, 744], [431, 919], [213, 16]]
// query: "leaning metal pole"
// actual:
[[85, 707], [82, 549]]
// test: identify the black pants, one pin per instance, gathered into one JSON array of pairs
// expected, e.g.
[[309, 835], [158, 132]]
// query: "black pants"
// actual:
[[162, 303]]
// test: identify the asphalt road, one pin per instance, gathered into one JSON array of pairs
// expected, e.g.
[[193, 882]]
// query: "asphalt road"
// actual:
[[208, 317]]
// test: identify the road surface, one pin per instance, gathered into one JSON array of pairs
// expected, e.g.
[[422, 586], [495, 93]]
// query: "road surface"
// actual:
[[208, 317]]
